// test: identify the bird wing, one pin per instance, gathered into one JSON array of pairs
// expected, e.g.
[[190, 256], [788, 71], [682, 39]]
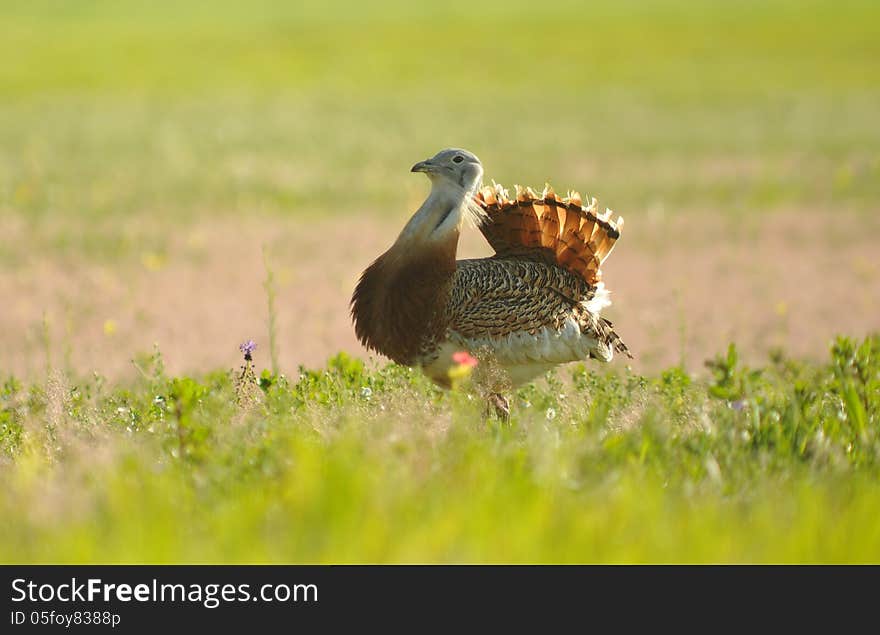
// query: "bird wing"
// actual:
[[526, 311], [547, 228]]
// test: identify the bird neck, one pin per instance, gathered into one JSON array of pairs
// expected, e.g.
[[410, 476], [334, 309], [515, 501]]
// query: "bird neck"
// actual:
[[399, 305], [438, 220]]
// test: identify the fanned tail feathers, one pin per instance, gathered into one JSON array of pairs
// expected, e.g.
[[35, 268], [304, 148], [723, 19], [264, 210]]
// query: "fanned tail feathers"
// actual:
[[558, 230]]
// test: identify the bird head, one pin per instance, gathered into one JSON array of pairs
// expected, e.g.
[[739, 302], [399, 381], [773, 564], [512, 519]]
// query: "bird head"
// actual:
[[453, 166]]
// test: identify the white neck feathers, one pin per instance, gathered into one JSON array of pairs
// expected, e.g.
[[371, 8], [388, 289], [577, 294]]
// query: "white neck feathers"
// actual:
[[440, 217]]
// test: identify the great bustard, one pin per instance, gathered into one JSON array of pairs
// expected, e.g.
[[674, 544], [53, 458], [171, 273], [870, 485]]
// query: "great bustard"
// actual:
[[531, 306]]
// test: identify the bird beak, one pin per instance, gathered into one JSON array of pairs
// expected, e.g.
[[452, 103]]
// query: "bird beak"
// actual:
[[423, 166]]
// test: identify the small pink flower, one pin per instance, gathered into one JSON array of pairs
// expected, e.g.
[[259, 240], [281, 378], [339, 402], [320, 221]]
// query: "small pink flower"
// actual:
[[464, 358]]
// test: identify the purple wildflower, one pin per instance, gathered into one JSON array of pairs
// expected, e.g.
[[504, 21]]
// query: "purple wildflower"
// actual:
[[739, 405], [247, 348]]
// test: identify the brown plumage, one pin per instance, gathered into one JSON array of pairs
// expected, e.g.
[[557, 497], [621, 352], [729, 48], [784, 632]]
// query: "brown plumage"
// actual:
[[532, 305]]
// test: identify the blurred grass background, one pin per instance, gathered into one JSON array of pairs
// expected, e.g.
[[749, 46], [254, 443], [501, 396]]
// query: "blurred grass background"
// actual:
[[178, 111], [664, 47]]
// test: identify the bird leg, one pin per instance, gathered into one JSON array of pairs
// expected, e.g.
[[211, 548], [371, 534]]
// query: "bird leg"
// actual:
[[501, 405]]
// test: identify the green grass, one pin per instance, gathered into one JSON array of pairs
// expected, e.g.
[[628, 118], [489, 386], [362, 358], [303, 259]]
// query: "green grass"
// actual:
[[345, 464]]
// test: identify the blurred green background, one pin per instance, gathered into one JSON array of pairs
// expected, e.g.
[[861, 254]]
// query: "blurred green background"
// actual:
[[186, 108]]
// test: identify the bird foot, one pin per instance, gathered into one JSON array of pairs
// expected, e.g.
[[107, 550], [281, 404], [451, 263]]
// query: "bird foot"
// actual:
[[501, 405]]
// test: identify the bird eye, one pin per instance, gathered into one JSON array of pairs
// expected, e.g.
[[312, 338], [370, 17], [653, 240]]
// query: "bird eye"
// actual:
[[458, 158]]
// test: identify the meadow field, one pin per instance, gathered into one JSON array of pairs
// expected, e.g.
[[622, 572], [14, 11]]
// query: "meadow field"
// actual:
[[178, 178]]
